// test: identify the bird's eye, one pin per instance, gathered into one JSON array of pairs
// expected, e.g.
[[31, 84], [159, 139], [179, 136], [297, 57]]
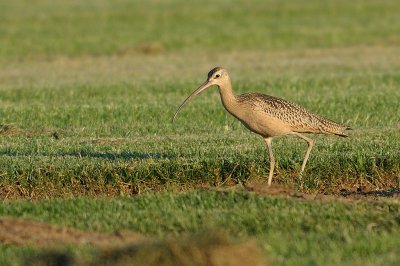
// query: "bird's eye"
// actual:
[[217, 76]]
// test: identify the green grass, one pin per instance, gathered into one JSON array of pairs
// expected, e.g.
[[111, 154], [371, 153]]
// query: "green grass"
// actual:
[[360, 232], [94, 27], [88, 90], [113, 133]]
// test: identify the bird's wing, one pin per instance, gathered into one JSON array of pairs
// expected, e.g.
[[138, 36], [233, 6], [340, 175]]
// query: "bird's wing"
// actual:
[[297, 117]]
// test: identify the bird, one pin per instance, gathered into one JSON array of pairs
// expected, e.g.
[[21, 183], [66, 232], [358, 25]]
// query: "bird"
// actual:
[[268, 116]]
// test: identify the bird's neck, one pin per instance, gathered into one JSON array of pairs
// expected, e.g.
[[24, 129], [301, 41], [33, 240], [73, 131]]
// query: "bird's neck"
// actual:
[[227, 97]]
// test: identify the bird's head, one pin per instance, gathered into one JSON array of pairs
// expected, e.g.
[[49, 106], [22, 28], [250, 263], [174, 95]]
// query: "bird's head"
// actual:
[[216, 76]]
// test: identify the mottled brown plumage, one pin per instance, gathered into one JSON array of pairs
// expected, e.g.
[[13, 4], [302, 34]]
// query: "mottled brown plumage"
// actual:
[[269, 116], [299, 119]]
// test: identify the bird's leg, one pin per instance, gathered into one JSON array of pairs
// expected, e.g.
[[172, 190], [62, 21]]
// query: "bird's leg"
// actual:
[[271, 160], [310, 146]]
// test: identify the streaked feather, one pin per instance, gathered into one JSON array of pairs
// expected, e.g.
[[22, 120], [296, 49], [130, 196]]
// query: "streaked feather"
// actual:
[[299, 119]]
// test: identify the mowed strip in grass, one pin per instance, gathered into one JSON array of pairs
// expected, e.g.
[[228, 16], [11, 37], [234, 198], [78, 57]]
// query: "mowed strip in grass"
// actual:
[[290, 231], [88, 91], [118, 138]]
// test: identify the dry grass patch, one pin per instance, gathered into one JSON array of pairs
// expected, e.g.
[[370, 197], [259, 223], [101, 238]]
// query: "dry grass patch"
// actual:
[[126, 247], [151, 64], [21, 232]]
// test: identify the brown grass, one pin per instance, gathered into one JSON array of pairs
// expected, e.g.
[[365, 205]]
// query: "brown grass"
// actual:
[[387, 187], [12, 130], [204, 250], [196, 251], [126, 248], [21, 232], [137, 64], [353, 192]]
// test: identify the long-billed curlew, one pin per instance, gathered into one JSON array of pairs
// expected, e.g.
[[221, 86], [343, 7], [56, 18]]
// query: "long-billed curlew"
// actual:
[[268, 116]]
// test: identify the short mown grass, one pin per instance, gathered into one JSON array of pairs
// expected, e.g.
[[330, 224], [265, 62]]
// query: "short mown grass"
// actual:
[[121, 134]]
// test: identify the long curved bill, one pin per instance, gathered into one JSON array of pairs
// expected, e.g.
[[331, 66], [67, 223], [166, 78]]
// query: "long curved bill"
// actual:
[[204, 86]]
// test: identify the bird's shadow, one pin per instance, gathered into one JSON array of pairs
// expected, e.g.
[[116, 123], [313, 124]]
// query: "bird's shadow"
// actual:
[[92, 154]]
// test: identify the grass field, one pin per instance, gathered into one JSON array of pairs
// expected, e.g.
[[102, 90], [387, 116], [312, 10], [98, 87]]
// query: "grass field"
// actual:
[[87, 94]]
